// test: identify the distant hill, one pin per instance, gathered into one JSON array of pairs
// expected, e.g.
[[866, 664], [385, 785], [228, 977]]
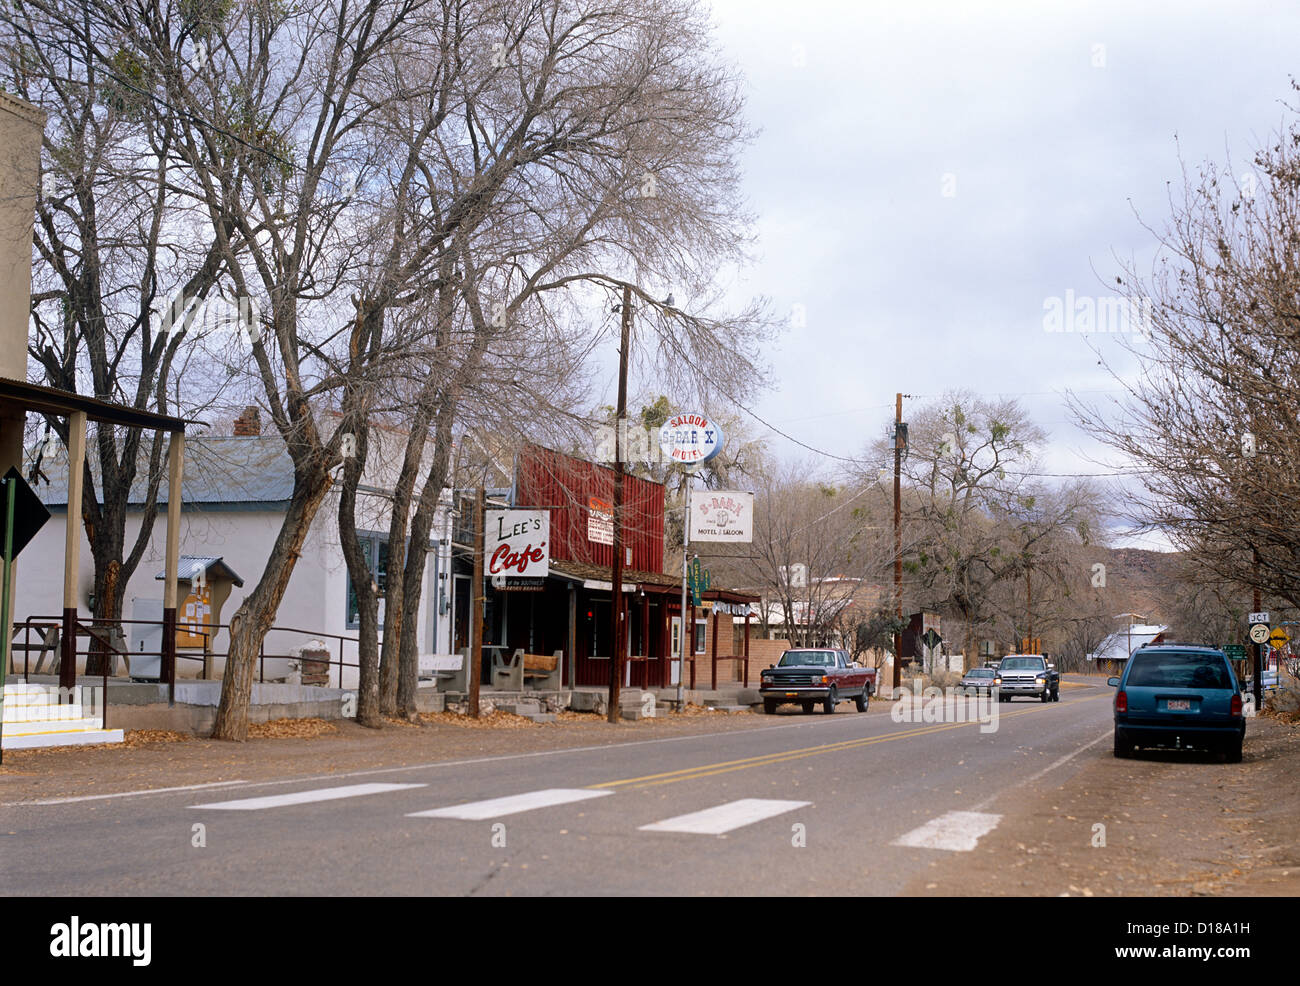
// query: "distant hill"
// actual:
[[1140, 581]]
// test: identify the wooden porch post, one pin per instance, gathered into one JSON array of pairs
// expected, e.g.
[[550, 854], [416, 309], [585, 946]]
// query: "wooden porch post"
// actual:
[[688, 642], [175, 471], [645, 641], [72, 548], [714, 612], [665, 644], [746, 646], [573, 634]]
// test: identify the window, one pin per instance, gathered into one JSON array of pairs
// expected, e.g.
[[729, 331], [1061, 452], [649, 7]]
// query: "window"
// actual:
[[375, 549], [700, 626]]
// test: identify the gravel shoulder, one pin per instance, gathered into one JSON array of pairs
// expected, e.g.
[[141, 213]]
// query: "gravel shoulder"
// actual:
[[1175, 824]]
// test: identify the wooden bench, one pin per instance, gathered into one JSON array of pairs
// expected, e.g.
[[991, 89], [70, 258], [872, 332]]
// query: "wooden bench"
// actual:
[[542, 671], [449, 672]]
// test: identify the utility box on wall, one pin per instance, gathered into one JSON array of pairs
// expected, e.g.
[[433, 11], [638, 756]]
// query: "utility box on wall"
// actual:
[[206, 582]]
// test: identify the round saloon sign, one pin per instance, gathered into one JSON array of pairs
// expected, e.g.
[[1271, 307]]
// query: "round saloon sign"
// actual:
[[690, 438]]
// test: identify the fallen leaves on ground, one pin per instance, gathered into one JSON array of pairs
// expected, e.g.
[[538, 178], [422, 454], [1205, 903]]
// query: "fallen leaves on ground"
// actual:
[[144, 737], [290, 729], [490, 720]]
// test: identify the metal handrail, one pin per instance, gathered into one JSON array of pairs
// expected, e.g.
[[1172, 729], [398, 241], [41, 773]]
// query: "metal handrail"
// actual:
[[84, 627]]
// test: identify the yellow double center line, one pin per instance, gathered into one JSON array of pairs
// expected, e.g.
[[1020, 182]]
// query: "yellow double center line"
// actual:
[[783, 756]]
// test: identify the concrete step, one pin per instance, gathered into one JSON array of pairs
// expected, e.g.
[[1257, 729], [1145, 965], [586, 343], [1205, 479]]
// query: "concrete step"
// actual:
[[42, 713], [541, 716], [82, 724], [520, 708], [18, 687], [76, 738]]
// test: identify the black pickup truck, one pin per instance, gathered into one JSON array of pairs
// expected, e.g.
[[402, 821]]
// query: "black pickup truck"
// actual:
[[1028, 674]]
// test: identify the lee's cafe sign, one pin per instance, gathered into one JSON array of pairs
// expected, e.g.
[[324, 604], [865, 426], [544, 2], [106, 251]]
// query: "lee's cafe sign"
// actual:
[[517, 546]]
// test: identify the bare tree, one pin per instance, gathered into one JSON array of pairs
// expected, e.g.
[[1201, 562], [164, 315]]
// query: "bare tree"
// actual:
[[975, 514], [815, 553], [1210, 425], [119, 273]]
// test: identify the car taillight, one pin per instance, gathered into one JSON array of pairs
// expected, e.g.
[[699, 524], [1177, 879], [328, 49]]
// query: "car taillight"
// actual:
[[1121, 702], [1235, 707]]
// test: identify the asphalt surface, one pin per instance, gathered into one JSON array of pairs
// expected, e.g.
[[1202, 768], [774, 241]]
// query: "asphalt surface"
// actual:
[[822, 799]]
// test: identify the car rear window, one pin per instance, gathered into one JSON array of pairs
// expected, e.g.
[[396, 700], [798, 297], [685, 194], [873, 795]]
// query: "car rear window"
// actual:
[[980, 673], [1179, 670]]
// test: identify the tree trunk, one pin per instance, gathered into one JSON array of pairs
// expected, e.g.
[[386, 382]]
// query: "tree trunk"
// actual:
[[413, 574], [369, 712], [255, 616]]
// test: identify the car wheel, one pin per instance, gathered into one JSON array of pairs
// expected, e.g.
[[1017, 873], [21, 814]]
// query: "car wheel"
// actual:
[[769, 706], [832, 700], [864, 699], [1123, 745], [1047, 697], [807, 707]]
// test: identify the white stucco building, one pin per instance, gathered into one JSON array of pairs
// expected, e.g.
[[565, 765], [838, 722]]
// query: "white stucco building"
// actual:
[[236, 490]]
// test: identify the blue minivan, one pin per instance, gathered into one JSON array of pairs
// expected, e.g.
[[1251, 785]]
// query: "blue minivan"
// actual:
[[1178, 696]]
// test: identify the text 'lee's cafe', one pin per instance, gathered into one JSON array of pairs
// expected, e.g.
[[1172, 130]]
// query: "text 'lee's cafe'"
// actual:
[[516, 548]]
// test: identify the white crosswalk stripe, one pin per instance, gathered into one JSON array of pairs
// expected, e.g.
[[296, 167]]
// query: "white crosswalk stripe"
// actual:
[[511, 805], [306, 797], [957, 831], [724, 818]]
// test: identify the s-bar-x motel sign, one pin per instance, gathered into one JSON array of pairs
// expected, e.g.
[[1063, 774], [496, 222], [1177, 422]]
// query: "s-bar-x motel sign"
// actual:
[[690, 438]]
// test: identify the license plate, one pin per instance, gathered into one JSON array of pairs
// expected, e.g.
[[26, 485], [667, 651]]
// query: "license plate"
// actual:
[[1178, 705]]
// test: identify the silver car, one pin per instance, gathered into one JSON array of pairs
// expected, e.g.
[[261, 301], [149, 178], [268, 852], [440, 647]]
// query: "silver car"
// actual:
[[980, 680]]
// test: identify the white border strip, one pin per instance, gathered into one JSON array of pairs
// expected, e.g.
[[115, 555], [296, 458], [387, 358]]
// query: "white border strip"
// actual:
[[306, 797], [475, 811]]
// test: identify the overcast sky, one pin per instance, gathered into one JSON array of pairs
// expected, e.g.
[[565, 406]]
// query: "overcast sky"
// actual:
[[928, 174]]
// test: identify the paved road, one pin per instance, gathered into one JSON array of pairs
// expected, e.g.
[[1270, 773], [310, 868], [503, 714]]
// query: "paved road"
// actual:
[[808, 805]]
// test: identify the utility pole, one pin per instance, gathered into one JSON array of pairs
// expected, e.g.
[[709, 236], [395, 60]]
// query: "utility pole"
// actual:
[[1258, 649], [10, 489], [616, 604], [898, 538], [681, 636], [1029, 614], [476, 607]]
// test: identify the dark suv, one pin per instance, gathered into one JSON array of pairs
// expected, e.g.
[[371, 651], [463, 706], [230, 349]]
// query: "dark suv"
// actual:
[[1178, 696]]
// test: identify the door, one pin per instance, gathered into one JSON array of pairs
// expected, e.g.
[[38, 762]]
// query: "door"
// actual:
[[675, 652]]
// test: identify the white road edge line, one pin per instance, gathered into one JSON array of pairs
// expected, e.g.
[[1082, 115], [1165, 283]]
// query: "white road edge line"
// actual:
[[475, 811], [306, 797], [124, 794], [956, 831], [1046, 770], [724, 818]]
